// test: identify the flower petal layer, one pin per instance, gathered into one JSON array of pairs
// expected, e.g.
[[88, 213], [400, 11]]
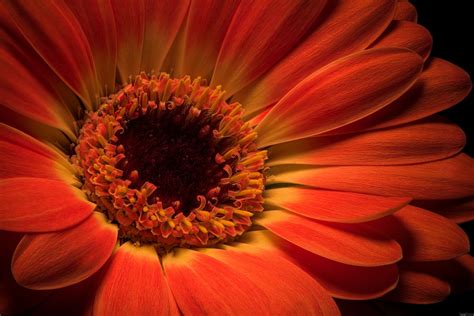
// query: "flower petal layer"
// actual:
[[458, 210], [334, 206], [215, 286], [41, 205], [286, 290], [28, 93], [134, 284], [406, 34], [34, 128], [59, 259], [343, 28], [14, 299], [440, 86], [71, 57], [345, 243], [445, 179], [129, 18], [340, 93], [405, 11], [417, 287], [424, 235], [23, 156], [98, 25], [420, 141], [458, 272], [204, 30], [259, 35], [162, 22], [342, 280]]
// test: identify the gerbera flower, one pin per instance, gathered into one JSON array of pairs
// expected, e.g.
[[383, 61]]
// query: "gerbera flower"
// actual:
[[227, 157]]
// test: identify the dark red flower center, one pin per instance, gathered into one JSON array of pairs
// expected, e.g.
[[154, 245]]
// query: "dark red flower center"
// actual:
[[178, 158]]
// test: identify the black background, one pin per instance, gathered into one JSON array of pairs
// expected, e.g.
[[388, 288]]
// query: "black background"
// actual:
[[451, 24]]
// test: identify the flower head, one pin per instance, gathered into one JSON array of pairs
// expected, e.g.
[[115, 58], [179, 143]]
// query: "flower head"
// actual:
[[227, 157]]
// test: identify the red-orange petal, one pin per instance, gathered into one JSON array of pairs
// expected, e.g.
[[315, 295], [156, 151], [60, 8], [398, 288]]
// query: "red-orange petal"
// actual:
[[259, 35], [162, 21], [406, 34], [23, 156], [345, 243], [458, 272], [59, 259], [134, 284], [216, 287], [421, 141], [98, 25], [424, 235], [405, 11], [342, 280], [340, 93], [444, 179], [26, 93], [457, 210], [41, 205], [71, 57], [343, 28], [129, 18], [334, 206], [283, 288], [34, 128], [14, 299], [203, 33], [418, 287], [440, 86]]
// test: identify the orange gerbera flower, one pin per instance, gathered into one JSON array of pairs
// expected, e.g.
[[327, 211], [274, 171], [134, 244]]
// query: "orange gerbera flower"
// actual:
[[227, 157]]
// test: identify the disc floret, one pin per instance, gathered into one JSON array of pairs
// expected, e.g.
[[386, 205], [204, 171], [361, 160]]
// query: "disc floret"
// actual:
[[172, 163]]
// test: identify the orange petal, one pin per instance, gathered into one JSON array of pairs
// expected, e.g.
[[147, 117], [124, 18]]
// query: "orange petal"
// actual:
[[458, 210], [406, 34], [134, 284], [26, 93], [458, 272], [334, 206], [422, 141], [440, 86], [418, 287], [59, 259], [71, 57], [346, 243], [23, 156], [259, 35], [162, 22], [34, 128], [203, 33], [445, 179], [343, 28], [342, 280], [98, 25], [14, 299], [216, 287], [424, 235], [405, 11], [283, 288], [41, 205], [340, 93], [130, 26]]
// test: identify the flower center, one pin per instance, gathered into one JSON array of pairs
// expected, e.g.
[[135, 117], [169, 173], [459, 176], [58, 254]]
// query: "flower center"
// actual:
[[172, 163]]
